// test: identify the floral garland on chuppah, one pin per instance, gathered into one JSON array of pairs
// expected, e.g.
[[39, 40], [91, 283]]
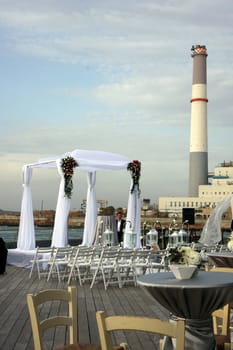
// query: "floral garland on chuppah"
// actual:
[[135, 169], [68, 164]]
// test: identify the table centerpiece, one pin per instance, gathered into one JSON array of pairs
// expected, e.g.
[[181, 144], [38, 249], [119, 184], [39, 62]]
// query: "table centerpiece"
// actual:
[[183, 261]]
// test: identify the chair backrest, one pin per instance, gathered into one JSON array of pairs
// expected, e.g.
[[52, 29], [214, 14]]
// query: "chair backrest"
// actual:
[[63, 253], [221, 321], [126, 254], [107, 324], [39, 326], [109, 255], [142, 256], [45, 253], [44, 250]]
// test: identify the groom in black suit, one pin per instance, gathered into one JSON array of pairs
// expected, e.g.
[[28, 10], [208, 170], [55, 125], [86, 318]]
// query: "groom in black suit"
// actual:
[[120, 225]]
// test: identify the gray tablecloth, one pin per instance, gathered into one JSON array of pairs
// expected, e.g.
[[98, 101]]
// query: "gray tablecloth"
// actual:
[[194, 300]]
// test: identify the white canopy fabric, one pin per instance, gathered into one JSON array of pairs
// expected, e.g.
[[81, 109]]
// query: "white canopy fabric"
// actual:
[[26, 234], [91, 212], [59, 237], [133, 220], [88, 161], [211, 232]]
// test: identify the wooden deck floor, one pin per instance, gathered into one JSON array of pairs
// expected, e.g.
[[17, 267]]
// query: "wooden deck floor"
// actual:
[[15, 328]]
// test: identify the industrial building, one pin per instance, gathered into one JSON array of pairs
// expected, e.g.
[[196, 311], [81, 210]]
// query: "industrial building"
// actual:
[[220, 185], [205, 190]]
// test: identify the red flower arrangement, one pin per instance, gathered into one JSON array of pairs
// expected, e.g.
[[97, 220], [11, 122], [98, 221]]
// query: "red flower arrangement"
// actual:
[[68, 164], [135, 168]]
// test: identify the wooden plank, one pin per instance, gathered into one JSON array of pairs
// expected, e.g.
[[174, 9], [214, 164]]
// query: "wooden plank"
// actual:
[[91, 312], [15, 327], [83, 326]]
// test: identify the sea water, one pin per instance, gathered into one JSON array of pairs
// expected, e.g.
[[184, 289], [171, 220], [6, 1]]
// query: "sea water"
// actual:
[[10, 233]]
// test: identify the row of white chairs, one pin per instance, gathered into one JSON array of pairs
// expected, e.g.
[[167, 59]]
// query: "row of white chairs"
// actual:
[[108, 264]]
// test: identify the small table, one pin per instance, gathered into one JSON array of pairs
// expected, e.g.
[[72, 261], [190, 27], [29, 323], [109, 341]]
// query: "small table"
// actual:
[[223, 259], [194, 300]]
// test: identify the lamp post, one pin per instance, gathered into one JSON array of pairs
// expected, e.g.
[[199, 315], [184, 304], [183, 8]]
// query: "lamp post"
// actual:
[[144, 233], [108, 237], [100, 232], [152, 238], [162, 237], [186, 233], [130, 237], [173, 234]]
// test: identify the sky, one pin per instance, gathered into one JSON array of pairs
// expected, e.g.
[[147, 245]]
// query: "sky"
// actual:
[[113, 76]]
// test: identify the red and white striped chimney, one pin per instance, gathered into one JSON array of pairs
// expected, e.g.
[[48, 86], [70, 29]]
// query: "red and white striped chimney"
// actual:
[[198, 156]]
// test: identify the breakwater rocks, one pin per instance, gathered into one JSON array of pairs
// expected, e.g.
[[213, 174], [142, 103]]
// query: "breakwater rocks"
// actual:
[[42, 218], [45, 218]]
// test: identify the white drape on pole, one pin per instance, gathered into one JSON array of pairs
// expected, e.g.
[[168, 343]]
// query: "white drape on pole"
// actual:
[[59, 238], [26, 234], [91, 211], [211, 232], [133, 219]]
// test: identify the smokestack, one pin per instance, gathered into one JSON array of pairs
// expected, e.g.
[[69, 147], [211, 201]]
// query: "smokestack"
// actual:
[[198, 156]]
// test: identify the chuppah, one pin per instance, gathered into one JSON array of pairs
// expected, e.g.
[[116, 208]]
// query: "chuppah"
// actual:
[[90, 162]]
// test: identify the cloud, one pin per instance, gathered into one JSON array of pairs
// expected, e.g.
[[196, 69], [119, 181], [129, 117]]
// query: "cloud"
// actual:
[[119, 32], [121, 83]]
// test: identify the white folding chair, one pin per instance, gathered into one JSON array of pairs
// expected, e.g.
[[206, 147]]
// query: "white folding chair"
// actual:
[[125, 266], [81, 264], [59, 262], [158, 261], [41, 261], [107, 267], [141, 262]]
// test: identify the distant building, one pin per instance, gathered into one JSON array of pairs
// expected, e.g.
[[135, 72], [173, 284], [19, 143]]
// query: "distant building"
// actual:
[[220, 185]]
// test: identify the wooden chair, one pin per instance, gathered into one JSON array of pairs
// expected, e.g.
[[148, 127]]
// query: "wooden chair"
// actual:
[[108, 324], [221, 327], [70, 320], [222, 315]]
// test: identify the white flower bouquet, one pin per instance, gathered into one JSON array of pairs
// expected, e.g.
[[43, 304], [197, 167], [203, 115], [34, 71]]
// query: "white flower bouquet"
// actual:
[[183, 261], [183, 255]]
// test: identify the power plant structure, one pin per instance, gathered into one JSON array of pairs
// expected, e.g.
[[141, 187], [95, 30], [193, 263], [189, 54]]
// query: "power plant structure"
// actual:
[[198, 156], [202, 195]]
